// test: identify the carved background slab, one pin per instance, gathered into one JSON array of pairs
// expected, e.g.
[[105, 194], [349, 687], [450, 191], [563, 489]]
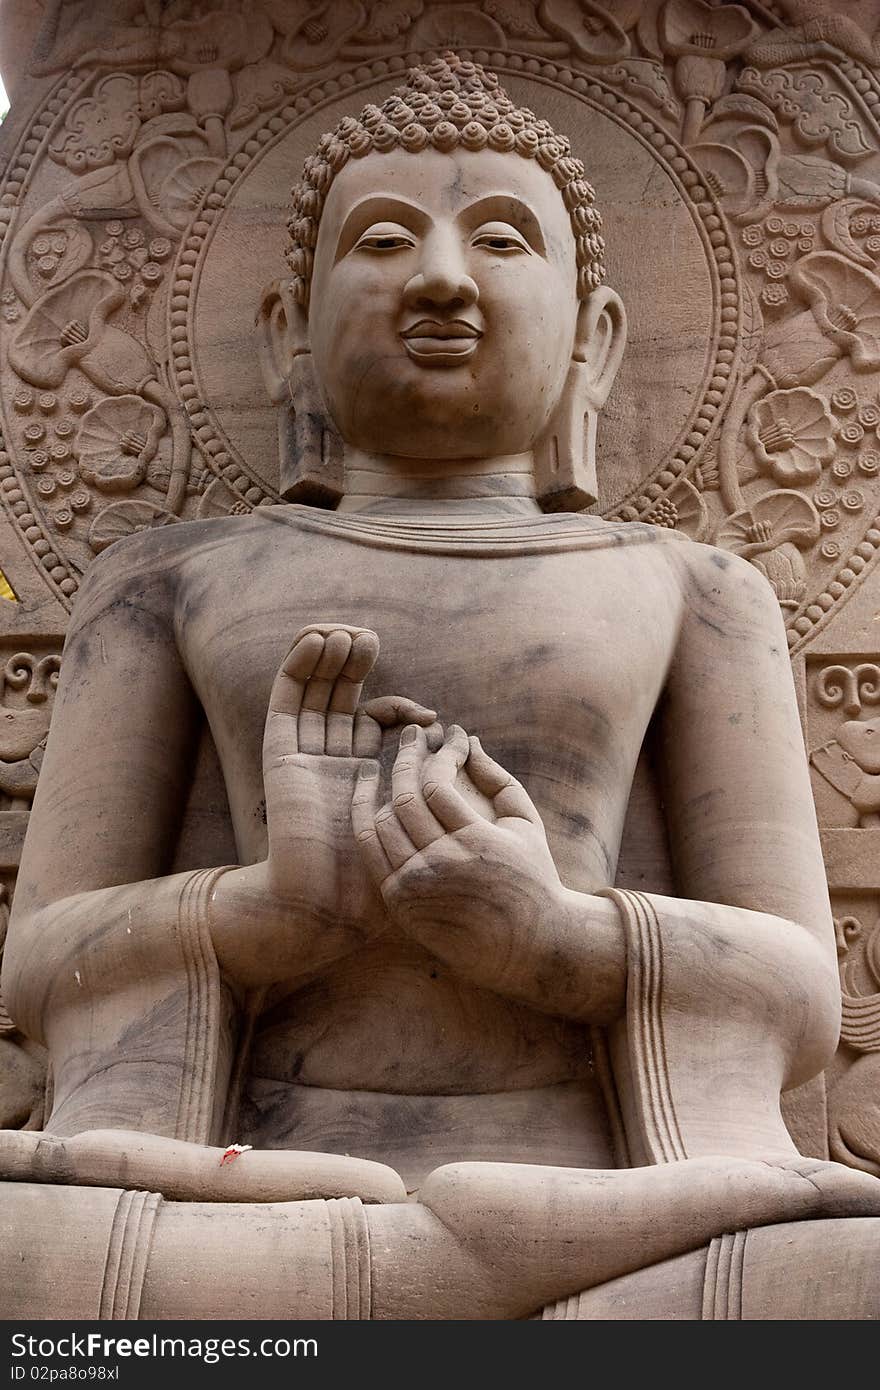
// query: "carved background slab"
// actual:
[[736, 155]]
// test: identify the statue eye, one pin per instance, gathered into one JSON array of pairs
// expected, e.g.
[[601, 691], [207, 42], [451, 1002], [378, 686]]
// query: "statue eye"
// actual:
[[388, 237], [501, 240]]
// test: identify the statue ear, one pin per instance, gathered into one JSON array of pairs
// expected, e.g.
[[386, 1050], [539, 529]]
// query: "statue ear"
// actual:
[[600, 341], [283, 328], [565, 455], [309, 445]]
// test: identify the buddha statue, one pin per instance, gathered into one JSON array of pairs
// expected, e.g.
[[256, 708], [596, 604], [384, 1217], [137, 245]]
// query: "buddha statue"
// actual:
[[319, 914]]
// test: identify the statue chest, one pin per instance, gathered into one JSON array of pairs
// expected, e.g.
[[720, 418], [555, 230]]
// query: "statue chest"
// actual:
[[556, 661]]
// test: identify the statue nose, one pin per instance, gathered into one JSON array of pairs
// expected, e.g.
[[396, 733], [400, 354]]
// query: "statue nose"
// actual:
[[442, 279]]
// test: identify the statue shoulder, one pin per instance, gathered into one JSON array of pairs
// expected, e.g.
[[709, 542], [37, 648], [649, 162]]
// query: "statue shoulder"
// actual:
[[701, 573], [725, 591], [149, 569]]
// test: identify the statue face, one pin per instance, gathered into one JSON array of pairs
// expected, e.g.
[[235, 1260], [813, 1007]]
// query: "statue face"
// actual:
[[444, 303]]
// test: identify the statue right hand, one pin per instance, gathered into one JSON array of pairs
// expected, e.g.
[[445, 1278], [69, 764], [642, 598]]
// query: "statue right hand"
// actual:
[[317, 734], [311, 901]]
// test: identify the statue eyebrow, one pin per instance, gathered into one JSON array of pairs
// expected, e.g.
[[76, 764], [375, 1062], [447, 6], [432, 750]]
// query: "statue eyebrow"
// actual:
[[506, 207], [382, 207], [388, 207]]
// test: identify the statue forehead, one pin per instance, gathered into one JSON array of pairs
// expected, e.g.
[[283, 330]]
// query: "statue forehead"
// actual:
[[445, 185]]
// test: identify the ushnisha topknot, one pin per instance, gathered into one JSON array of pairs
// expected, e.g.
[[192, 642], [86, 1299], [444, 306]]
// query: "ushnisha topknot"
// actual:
[[447, 104]]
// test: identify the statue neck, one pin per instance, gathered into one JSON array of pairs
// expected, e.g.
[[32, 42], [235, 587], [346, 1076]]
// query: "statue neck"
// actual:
[[390, 486]]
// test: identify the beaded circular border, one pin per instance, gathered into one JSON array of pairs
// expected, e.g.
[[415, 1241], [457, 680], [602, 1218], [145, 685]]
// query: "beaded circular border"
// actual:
[[719, 378], [58, 572], [816, 613]]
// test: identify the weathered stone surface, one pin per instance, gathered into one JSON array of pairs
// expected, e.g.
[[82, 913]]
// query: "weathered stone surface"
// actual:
[[516, 890]]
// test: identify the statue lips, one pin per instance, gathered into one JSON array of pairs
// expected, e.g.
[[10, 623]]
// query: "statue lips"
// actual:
[[433, 343]]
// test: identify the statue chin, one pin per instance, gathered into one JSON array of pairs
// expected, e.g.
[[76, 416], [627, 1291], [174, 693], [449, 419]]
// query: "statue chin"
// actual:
[[443, 420]]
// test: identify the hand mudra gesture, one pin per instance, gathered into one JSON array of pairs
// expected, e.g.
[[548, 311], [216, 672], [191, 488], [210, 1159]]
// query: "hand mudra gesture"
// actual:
[[459, 855], [317, 732], [311, 900]]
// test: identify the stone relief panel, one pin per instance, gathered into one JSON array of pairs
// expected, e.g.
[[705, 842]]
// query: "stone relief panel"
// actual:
[[27, 688], [141, 215], [847, 694], [853, 1109], [29, 682]]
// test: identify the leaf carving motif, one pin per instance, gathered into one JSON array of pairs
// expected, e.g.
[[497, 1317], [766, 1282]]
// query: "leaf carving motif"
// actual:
[[820, 115]]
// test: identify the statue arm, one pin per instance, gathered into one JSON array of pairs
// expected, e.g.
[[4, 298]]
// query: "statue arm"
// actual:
[[116, 770], [742, 824], [109, 961], [732, 992]]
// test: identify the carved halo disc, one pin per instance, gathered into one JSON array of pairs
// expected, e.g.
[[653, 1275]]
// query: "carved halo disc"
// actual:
[[681, 346]]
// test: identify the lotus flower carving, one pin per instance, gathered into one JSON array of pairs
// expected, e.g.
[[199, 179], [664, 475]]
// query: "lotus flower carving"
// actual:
[[771, 534], [745, 169], [116, 441], [219, 500], [68, 327], [681, 509], [126, 518], [63, 326], [781, 517], [691, 28], [843, 320], [702, 38], [595, 34], [792, 433], [845, 302], [313, 34], [184, 188], [221, 34]]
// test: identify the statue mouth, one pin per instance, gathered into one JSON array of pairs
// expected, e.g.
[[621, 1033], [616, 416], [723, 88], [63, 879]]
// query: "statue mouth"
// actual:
[[441, 344]]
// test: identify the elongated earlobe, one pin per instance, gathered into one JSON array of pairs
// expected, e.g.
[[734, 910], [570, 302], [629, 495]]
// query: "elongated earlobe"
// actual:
[[309, 446], [565, 454]]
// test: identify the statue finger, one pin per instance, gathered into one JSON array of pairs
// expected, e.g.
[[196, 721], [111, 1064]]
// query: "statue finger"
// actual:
[[366, 738], [364, 653], [450, 758], [508, 796], [346, 693], [393, 837], [295, 670], [364, 808], [449, 806], [331, 664], [339, 735], [434, 735], [391, 710], [318, 690], [325, 629], [420, 824], [438, 782]]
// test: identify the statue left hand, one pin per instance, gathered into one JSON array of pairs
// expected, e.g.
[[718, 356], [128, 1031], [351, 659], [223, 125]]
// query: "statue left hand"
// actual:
[[478, 893]]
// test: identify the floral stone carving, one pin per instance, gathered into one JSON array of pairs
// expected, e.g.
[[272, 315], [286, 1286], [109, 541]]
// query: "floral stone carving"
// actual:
[[416, 829], [165, 153]]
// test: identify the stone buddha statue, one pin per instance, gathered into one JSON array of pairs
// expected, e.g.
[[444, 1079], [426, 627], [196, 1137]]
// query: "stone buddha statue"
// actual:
[[319, 915]]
